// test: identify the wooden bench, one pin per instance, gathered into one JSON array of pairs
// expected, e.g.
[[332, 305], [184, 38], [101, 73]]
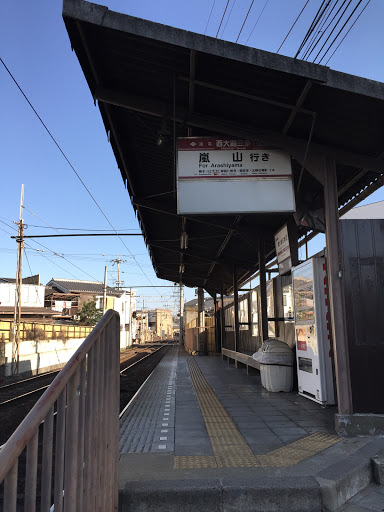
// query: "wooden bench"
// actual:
[[238, 357]]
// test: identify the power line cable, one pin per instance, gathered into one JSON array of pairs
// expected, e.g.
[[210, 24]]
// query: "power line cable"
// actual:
[[257, 21], [26, 257], [229, 15], [81, 229], [69, 163], [12, 227], [290, 30], [246, 17], [209, 17], [340, 31], [8, 233], [225, 10], [52, 262], [334, 28], [316, 38], [348, 32], [64, 258], [34, 214], [312, 27]]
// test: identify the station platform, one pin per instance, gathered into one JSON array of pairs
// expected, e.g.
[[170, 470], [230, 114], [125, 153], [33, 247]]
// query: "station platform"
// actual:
[[202, 435]]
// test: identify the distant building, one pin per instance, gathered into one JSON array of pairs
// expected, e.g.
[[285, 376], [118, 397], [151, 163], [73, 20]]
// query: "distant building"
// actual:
[[141, 331], [368, 211], [69, 295], [160, 322], [32, 299], [190, 308]]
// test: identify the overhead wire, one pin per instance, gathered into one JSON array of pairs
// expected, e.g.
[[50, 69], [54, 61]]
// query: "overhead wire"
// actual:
[[209, 17], [316, 37], [245, 19], [34, 214], [312, 27], [366, 5], [228, 17], [225, 10], [294, 23], [342, 28], [334, 28], [26, 257], [81, 229], [52, 262], [257, 21], [71, 166]]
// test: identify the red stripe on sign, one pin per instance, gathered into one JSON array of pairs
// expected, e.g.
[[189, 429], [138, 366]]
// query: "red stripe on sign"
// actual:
[[203, 177], [325, 291], [324, 267], [326, 302]]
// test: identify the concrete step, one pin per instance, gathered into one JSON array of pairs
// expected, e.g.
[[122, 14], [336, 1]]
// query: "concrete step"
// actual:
[[236, 490]]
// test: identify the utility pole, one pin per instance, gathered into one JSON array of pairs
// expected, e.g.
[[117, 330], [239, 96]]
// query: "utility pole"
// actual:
[[19, 280], [181, 337], [105, 292], [118, 260], [130, 316], [142, 325]]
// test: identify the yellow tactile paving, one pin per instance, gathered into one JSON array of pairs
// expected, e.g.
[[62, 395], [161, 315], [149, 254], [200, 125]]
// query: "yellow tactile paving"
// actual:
[[195, 462], [229, 446]]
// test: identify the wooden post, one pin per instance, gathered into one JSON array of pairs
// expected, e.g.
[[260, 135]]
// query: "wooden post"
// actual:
[[236, 308], [335, 289], [263, 291], [222, 318], [217, 326], [200, 307]]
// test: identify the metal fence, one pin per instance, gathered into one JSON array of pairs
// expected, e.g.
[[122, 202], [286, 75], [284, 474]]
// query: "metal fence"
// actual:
[[42, 331], [67, 445]]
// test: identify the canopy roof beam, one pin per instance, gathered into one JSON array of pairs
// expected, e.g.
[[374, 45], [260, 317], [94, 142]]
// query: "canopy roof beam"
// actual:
[[296, 147]]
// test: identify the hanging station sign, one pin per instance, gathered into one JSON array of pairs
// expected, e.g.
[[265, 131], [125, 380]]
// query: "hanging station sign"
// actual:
[[283, 250], [232, 176]]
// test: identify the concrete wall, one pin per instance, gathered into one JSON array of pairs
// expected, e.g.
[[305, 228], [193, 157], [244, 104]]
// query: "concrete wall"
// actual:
[[39, 356]]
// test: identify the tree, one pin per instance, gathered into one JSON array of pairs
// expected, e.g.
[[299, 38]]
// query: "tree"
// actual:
[[89, 314]]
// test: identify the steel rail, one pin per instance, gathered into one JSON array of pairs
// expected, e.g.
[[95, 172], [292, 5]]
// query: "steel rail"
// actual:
[[21, 381], [24, 394], [142, 359]]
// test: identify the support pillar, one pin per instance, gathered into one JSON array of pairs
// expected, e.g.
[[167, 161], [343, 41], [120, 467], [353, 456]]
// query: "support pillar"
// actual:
[[263, 291], [200, 307], [236, 308], [217, 326], [201, 344], [181, 327], [222, 319], [335, 289]]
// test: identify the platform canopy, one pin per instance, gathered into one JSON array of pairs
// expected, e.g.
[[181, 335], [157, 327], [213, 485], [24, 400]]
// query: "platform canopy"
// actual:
[[155, 83]]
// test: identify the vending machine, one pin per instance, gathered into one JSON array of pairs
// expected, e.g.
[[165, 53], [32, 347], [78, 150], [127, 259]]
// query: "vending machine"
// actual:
[[313, 349]]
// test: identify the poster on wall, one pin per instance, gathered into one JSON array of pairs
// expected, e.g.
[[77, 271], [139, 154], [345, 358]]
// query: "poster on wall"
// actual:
[[232, 176]]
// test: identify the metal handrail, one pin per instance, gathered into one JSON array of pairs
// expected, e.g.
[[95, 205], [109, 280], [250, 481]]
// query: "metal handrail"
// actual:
[[84, 461]]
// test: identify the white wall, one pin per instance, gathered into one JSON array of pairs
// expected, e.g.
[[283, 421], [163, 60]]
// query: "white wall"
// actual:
[[32, 295], [122, 306], [37, 356]]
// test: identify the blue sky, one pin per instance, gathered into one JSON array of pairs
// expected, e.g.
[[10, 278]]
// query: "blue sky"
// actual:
[[35, 46]]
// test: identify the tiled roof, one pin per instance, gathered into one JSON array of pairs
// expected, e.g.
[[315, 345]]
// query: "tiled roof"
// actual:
[[77, 286]]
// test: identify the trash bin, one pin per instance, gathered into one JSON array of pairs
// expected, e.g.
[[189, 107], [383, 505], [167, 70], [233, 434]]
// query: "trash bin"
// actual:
[[276, 365]]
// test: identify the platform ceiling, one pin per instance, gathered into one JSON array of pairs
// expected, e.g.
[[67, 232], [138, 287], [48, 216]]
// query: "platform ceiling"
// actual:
[[151, 79]]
